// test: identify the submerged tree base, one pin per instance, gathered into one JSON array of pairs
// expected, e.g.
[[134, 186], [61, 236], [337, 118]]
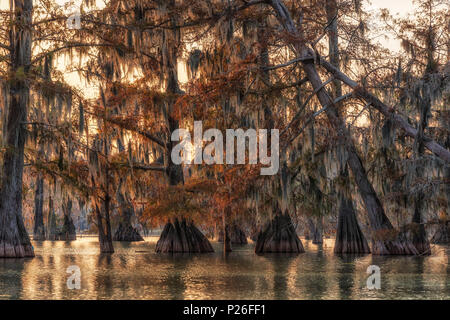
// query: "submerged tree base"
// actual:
[[127, 233], [279, 236], [236, 234], [418, 236], [349, 237], [183, 238], [8, 250], [316, 230], [397, 246], [411, 240]]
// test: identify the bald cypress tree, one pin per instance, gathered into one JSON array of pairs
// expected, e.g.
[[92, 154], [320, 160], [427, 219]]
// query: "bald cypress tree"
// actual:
[[14, 239]]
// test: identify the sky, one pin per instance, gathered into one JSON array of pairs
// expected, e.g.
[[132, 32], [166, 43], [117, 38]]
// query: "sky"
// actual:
[[396, 7]]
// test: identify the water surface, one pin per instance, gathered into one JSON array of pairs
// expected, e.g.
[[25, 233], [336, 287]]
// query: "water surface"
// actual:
[[136, 272]]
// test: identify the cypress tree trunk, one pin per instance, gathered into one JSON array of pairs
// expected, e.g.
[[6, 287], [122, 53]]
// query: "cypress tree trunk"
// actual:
[[182, 237], [236, 234], [83, 223], [172, 238], [349, 237], [68, 232], [419, 235], [279, 236], [39, 228], [226, 233], [316, 230], [385, 239], [14, 239], [51, 221], [126, 231], [254, 233], [307, 234], [333, 41], [442, 234], [104, 229]]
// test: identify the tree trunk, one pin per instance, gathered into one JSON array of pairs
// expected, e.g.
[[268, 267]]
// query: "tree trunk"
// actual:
[[419, 235], [236, 234], [385, 239], [226, 233], [39, 228], [279, 236], [316, 230], [51, 220], [349, 237], [14, 239], [68, 232], [104, 232], [254, 234], [83, 224], [172, 238], [182, 238], [126, 231], [307, 234], [333, 41], [442, 234]]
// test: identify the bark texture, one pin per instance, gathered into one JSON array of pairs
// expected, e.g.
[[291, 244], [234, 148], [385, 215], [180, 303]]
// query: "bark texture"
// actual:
[[279, 236], [14, 239], [68, 231], [104, 229], [349, 237], [39, 228], [182, 237], [51, 221], [226, 232], [227, 239], [316, 230], [126, 231], [442, 235], [237, 236]]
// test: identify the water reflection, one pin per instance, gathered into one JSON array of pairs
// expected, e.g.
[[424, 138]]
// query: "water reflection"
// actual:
[[136, 272], [346, 270], [281, 274]]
